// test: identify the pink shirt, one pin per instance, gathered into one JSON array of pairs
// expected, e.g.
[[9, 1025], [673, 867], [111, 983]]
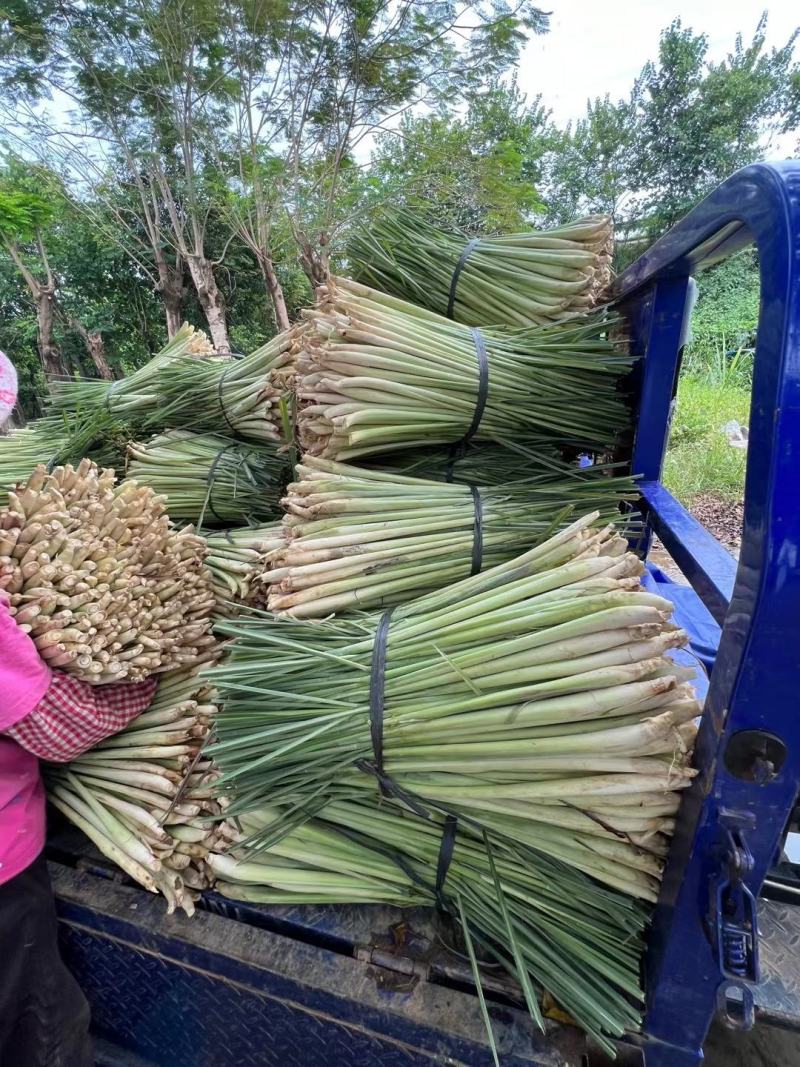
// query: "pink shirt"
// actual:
[[24, 679]]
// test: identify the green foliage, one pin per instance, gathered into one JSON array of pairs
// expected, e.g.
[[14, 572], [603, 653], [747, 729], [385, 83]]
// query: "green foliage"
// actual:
[[724, 322], [699, 458], [479, 173]]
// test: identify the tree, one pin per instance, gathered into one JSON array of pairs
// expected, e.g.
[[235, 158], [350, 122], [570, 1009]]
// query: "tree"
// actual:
[[698, 121], [480, 172], [25, 212]]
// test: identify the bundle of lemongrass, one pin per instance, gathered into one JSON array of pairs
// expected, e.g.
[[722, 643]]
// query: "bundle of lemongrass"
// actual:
[[21, 450], [537, 697], [237, 560], [132, 397], [546, 923], [144, 797], [515, 279], [375, 374], [210, 480], [98, 576], [229, 395], [359, 538]]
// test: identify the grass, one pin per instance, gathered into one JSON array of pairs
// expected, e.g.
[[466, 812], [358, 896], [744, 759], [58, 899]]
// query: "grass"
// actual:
[[699, 459]]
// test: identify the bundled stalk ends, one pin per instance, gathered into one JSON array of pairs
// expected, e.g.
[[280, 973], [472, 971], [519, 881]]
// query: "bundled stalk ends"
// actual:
[[375, 374], [517, 279], [107, 588], [233, 396], [359, 538], [144, 796], [210, 480], [237, 561]]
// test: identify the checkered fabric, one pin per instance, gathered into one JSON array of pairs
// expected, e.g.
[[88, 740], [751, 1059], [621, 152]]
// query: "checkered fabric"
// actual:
[[73, 716]]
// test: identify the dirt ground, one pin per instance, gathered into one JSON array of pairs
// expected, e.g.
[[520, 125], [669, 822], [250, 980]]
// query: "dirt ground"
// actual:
[[722, 518]]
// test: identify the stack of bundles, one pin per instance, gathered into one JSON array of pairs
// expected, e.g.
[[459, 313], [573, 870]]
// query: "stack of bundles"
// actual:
[[375, 374], [107, 588], [364, 538], [534, 703], [231, 395], [134, 397], [237, 561], [514, 280], [208, 479], [145, 797]]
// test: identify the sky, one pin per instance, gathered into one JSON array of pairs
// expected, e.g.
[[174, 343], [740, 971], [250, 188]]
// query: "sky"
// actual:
[[597, 48]]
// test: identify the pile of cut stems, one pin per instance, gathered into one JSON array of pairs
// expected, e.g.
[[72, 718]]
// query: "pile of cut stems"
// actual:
[[538, 695], [208, 479], [237, 561], [96, 573], [516, 279], [375, 374], [229, 395], [358, 538], [144, 796]]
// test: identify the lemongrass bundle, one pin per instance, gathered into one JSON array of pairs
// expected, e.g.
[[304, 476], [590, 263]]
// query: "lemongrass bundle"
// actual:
[[99, 577], [131, 397], [22, 450], [210, 480], [516, 279], [359, 538], [376, 374], [233, 396], [143, 796], [538, 697], [237, 560], [548, 925]]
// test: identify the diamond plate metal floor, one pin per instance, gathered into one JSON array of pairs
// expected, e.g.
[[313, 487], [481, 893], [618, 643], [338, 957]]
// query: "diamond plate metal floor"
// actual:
[[777, 996]]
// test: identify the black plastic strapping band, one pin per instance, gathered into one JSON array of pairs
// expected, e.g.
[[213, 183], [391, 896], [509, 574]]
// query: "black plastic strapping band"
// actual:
[[210, 479], [458, 448], [110, 392], [477, 531], [52, 464], [462, 259], [446, 848], [377, 677], [222, 407]]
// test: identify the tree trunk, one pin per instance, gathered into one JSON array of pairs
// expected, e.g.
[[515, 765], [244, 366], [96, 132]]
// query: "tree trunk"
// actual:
[[313, 260], [170, 285], [274, 292], [95, 346], [211, 301], [51, 357]]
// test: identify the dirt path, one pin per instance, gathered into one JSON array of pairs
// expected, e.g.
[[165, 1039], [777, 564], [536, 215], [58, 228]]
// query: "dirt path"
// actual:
[[722, 518]]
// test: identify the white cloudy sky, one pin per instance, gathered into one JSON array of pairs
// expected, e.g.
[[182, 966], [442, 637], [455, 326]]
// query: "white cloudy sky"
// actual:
[[596, 47]]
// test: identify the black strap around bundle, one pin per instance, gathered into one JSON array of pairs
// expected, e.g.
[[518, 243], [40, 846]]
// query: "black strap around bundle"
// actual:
[[386, 784], [210, 480], [462, 260], [458, 448], [222, 407], [477, 531]]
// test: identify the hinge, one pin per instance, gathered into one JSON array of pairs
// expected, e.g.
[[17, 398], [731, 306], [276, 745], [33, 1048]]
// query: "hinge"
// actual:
[[733, 923]]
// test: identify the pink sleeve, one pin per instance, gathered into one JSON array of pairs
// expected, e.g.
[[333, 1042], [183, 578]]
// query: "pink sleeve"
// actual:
[[24, 676], [73, 716]]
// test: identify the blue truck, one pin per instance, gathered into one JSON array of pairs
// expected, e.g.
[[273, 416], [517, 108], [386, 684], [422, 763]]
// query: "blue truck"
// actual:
[[241, 985]]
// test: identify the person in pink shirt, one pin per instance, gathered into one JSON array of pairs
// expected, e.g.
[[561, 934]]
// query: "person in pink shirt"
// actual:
[[47, 715]]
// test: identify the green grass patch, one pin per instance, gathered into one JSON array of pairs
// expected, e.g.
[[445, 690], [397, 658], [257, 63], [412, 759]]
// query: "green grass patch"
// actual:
[[699, 458]]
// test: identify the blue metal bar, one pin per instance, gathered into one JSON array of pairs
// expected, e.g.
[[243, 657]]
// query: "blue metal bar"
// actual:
[[710, 568], [754, 685]]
